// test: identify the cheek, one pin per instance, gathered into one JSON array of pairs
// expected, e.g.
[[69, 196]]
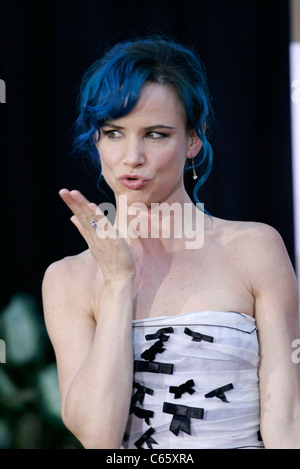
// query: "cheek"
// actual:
[[106, 156], [172, 161]]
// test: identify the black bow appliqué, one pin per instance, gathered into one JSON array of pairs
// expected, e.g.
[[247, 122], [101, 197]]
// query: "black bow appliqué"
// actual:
[[141, 413], [140, 393], [153, 367], [181, 416], [219, 392], [185, 387], [146, 438], [153, 350], [160, 334], [197, 336]]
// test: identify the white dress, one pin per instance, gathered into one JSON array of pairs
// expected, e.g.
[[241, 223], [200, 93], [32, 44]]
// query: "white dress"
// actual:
[[195, 382]]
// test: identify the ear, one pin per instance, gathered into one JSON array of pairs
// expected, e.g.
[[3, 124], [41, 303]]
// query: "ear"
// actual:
[[194, 144]]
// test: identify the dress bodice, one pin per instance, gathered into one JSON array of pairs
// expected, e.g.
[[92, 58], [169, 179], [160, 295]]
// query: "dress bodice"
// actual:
[[195, 382]]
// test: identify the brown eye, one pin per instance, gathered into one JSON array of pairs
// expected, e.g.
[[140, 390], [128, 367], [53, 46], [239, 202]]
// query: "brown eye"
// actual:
[[112, 133], [156, 135]]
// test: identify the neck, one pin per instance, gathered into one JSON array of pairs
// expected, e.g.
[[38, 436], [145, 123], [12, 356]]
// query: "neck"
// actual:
[[168, 225]]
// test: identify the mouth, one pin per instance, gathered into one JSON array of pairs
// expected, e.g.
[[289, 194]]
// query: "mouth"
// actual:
[[133, 181]]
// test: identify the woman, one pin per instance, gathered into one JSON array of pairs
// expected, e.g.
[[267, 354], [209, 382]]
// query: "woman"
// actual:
[[159, 345]]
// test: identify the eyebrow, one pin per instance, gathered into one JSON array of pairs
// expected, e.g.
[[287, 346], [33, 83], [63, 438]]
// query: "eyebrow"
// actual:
[[149, 128]]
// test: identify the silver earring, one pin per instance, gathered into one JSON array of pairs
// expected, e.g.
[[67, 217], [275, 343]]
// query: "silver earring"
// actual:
[[194, 172]]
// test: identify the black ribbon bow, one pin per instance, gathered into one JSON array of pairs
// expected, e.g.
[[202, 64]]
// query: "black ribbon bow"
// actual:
[[153, 350], [197, 336], [219, 392], [141, 413], [153, 367], [181, 416], [160, 334], [185, 387], [146, 438], [140, 393]]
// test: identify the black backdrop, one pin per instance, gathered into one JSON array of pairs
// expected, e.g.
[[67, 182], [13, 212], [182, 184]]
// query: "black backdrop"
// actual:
[[46, 47]]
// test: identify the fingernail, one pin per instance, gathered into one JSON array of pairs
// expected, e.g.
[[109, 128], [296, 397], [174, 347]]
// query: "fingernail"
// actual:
[[73, 194], [62, 191]]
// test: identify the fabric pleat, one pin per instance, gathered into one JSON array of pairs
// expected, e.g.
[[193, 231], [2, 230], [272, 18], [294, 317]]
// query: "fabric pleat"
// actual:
[[218, 353]]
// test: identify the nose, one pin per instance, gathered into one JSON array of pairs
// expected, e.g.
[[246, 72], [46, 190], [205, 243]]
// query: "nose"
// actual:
[[134, 153]]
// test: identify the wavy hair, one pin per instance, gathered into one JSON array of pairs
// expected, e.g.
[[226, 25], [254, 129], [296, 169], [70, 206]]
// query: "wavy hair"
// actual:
[[112, 85]]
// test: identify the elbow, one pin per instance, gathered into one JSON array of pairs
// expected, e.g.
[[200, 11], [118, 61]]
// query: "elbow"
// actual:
[[88, 434], [96, 441], [90, 443]]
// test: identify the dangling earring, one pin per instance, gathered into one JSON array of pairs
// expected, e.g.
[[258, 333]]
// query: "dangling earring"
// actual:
[[194, 172]]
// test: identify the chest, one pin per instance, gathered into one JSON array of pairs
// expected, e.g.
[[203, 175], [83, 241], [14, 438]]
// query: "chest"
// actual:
[[191, 281]]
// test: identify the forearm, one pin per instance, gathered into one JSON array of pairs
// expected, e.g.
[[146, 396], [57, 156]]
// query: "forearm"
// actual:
[[277, 435], [280, 412], [97, 403]]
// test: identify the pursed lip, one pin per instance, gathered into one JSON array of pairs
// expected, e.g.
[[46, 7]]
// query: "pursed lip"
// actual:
[[133, 181]]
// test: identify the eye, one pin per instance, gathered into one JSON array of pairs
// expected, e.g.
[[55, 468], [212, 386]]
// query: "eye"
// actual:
[[112, 133], [156, 135]]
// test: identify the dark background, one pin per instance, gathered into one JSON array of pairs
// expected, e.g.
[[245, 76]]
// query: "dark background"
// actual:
[[45, 49]]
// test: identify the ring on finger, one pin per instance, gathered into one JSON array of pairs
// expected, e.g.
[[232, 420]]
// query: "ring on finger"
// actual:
[[94, 224]]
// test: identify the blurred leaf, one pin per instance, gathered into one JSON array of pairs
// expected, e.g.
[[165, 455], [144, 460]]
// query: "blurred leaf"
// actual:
[[29, 393], [49, 392], [7, 387], [22, 330]]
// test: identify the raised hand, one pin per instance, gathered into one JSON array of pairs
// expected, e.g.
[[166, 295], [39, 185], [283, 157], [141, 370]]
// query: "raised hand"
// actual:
[[111, 251]]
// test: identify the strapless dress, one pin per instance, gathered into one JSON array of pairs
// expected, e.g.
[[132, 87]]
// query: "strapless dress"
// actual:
[[195, 382]]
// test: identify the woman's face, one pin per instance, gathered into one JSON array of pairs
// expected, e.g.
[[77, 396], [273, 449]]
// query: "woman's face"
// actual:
[[150, 145]]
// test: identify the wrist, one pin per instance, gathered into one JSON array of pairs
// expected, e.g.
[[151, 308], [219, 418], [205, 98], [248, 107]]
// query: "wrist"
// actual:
[[118, 283]]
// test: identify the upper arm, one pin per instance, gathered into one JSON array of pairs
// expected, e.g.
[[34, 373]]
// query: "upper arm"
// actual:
[[69, 323], [276, 310]]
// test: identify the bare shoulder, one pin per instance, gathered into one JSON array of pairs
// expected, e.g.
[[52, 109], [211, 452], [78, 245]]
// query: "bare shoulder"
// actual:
[[69, 279], [71, 270], [245, 231], [261, 244], [257, 246], [261, 250], [249, 239]]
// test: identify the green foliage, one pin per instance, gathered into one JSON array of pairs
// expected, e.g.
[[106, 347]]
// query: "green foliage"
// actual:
[[29, 394]]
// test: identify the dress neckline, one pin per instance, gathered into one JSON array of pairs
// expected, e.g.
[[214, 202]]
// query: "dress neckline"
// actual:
[[174, 316]]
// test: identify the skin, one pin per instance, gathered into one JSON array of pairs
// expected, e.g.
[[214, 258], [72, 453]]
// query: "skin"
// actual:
[[90, 299]]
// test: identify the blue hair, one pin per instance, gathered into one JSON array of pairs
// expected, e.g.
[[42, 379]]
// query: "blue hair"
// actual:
[[111, 88]]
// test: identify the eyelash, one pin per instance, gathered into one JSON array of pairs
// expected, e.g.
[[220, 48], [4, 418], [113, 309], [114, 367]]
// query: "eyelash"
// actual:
[[109, 134]]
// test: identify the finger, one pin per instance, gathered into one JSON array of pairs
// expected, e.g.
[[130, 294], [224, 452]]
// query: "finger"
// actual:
[[74, 199], [78, 225], [97, 213], [78, 204], [86, 214]]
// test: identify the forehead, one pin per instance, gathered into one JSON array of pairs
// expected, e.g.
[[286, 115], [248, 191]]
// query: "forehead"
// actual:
[[157, 103]]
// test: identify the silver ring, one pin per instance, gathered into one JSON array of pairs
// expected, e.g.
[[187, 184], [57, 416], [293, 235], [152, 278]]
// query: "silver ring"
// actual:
[[94, 224]]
